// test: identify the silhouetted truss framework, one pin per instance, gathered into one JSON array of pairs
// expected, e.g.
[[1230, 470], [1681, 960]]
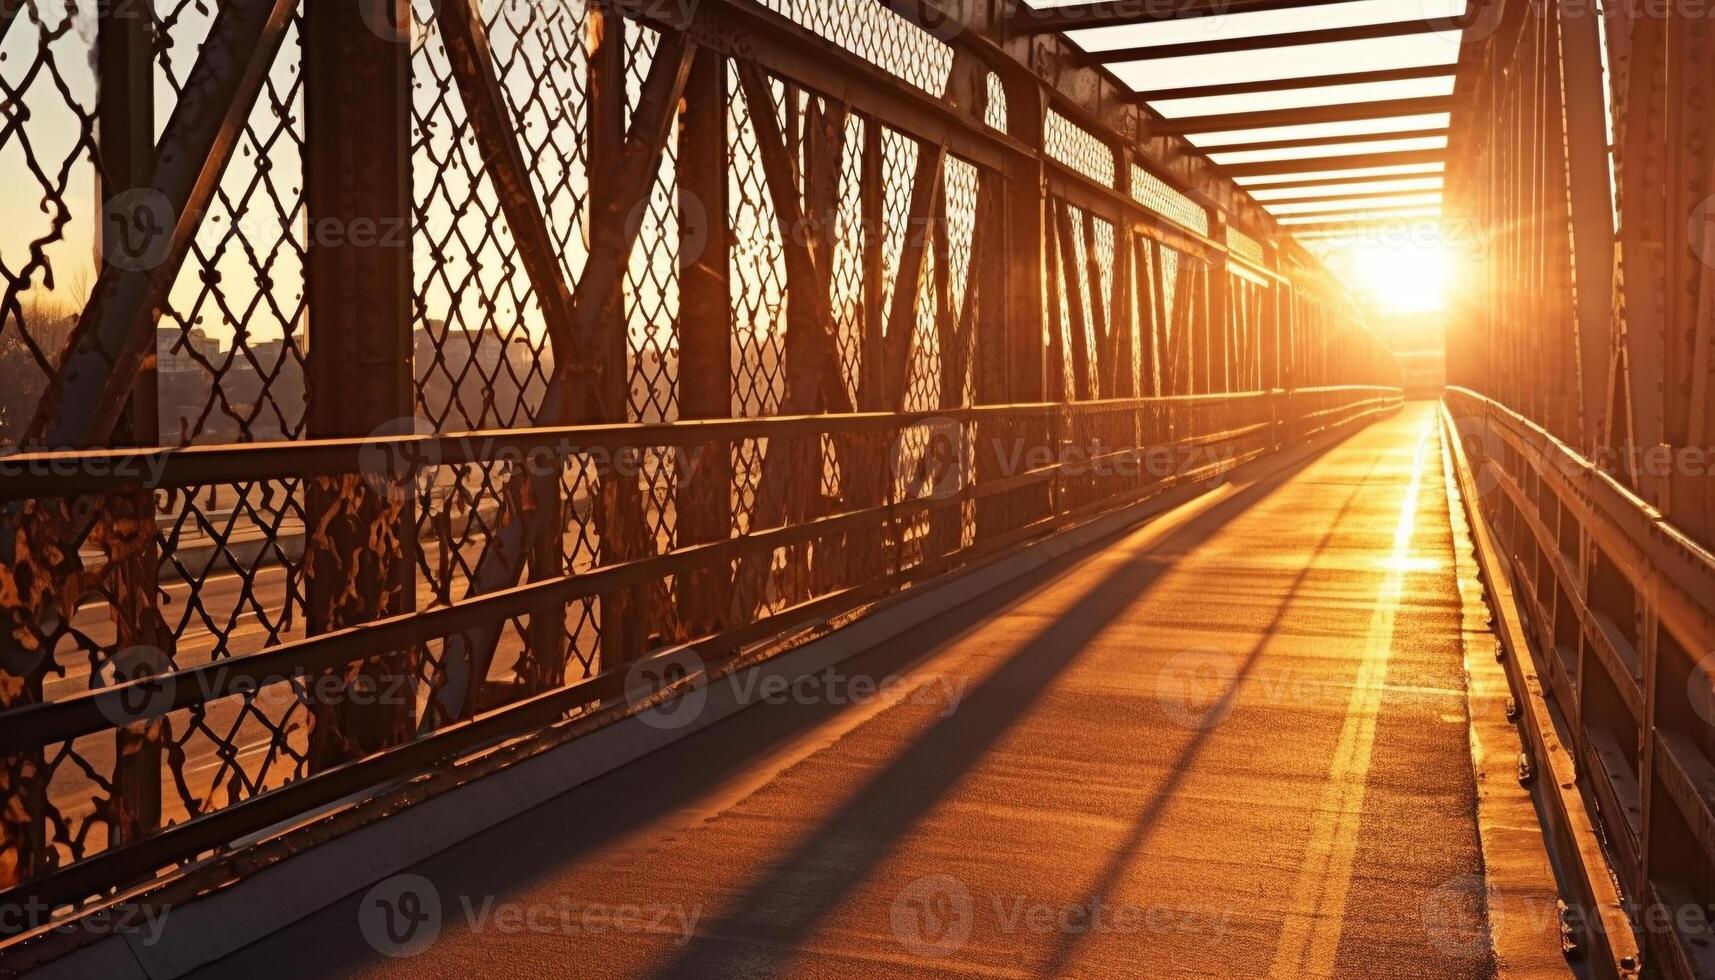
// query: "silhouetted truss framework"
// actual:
[[760, 312], [1584, 352]]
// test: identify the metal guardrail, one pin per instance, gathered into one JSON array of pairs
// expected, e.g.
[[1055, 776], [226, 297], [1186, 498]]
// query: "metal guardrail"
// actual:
[[1619, 608], [999, 477]]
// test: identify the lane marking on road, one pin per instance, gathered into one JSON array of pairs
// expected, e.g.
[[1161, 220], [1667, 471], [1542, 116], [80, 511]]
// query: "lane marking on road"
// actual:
[[1310, 938]]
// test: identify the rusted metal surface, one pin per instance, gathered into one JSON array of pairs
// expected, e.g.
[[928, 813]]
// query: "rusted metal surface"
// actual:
[[1583, 355], [691, 332]]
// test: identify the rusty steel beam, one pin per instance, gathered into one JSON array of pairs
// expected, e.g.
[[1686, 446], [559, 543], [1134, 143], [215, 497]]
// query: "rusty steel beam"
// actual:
[[146, 234], [116, 332], [126, 128], [612, 237], [927, 188], [1308, 115], [1265, 85], [1077, 327], [705, 333], [1284, 39], [359, 564], [812, 381]]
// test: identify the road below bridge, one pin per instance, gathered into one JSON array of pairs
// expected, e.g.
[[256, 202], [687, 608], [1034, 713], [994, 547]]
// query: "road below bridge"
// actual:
[[1235, 741]]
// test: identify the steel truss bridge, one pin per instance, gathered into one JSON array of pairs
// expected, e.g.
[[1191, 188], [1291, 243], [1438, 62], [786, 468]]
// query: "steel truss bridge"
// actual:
[[456, 384]]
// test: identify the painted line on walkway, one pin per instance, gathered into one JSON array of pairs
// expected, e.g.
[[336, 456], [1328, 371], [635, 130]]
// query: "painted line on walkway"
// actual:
[[1310, 939]]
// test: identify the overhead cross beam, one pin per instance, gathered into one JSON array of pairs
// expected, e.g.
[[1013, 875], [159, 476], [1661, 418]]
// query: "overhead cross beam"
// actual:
[[1343, 198], [1026, 20], [1304, 115], [1359, 219], [1340, 206], [1360, 143], [1351, 161], [1287, 39], [1415, 169], [1296, 84]]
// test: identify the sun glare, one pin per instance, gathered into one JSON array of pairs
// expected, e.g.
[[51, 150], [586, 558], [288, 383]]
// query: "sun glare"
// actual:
[[1397, 277]]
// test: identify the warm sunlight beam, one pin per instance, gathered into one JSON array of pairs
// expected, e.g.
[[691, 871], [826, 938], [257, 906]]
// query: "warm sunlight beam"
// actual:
[[1401, 273]]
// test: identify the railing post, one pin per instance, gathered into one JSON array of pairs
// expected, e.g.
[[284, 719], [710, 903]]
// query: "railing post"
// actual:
[[619, 507], [1222, 330], [361, 539], [705, 337], [126, 116], [1025, 232]]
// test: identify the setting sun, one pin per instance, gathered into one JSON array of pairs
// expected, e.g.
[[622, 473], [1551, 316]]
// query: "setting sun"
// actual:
[[1397, 277]]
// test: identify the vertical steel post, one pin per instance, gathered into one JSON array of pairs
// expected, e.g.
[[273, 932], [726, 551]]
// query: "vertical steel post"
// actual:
[[1026, 232], [125, 116], [1591, 201], [359, 556], [619, 506], [705, 335]]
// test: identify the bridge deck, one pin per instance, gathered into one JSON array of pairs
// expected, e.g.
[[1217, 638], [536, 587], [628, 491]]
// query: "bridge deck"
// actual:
[[1238, 734]]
